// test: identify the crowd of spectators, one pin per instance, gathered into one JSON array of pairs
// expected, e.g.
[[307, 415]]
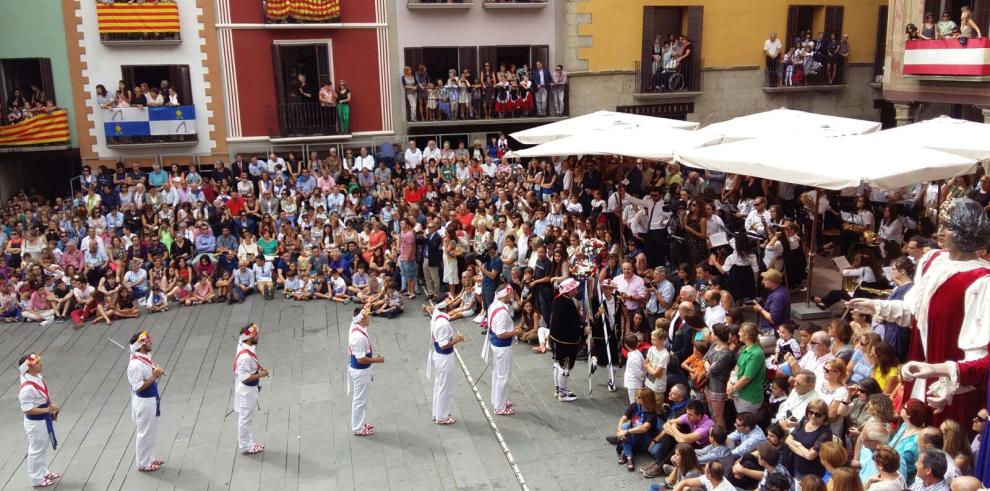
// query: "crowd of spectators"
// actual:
[[806, 61], [21, 106], [141, 95], [946, 27], [506, 92], [697, 271]]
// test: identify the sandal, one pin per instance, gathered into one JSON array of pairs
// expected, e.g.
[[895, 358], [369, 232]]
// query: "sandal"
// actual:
[[508, 411], [53, 475], [623, 459], [44, 483], [366, 431], [256, 448], [152, 467], [449, 420], [160, 462], [630, 465]]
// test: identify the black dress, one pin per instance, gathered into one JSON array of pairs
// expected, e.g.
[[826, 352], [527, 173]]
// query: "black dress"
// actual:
[[566, 331], [697, 249], [798, 466]]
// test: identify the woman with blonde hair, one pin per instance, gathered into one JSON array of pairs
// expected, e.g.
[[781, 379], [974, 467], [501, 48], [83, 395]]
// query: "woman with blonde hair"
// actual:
[[967, 26], [956, 445], [844, 479]]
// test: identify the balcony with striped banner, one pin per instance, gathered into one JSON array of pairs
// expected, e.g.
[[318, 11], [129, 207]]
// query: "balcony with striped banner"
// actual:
[[301, 11], [45, 129], [948, 59], [121, 23]]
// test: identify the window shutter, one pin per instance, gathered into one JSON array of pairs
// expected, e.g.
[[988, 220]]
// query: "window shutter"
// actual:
[[881, 48], [414, 57], [539, 53], [280, 94], [981, 12], [322, 64], [467, 59], [792, 26], [47, 82], [487, 54], [695, 17], [646, 60], [178, 76], [833, 21], [127, 75], [932, 6]]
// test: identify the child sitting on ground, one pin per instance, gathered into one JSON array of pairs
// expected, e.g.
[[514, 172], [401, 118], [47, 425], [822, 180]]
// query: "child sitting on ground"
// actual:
[[157, 301]]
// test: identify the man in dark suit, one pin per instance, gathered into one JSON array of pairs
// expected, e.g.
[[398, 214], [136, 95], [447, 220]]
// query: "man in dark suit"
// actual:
[[432, 257], [541, 82]]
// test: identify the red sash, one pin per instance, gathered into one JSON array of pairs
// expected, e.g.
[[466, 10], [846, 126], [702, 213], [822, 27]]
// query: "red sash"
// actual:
[[143, 359], [249, 353], [492, 316], [43, 388]]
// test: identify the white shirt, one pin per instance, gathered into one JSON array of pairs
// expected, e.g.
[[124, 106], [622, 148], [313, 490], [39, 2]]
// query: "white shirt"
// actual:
[[413, 158], [366, 162], [431, 153], [797, 404], [442, 330], [635, 374], [658, 358], [724, 484], [754, 225], [245, 365], [772, 47], [357, 341], [28, 396], [714, 314], [138, 371], [501, 322]]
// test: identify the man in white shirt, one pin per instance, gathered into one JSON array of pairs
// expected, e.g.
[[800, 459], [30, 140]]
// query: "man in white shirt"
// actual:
[[712, 480], [263, 277], [413, 156], [771, 50], [758, 218], [143, 375], [364, 161], [792, 409], [431, 152]]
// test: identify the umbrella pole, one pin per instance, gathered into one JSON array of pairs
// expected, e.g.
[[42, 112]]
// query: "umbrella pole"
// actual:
[[813, 248]]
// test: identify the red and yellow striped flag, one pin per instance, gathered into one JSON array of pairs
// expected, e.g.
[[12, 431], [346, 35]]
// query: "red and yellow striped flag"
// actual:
[[46, 128], [304, 10], [137, 17]]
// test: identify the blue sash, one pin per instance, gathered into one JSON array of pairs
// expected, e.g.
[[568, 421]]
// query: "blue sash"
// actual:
[[441, 350], [500, 343], [359, 366], [148, 393], [47, 418], [253, 383]]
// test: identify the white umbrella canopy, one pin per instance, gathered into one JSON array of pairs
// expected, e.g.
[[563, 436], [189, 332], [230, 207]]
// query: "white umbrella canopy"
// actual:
[[637, 142], [783, 122], [943, 133], [830, 163], [601, 120]]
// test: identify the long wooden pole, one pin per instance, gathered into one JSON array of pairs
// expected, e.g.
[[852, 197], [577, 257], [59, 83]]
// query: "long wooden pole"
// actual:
[[813, 248]]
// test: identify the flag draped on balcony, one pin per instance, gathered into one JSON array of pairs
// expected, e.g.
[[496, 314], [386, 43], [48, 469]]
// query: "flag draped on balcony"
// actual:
[[137, 17], [303, 10], [138, 121], [45, 128]]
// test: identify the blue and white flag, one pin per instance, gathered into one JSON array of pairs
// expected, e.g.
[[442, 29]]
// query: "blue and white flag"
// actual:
[[147, 121]]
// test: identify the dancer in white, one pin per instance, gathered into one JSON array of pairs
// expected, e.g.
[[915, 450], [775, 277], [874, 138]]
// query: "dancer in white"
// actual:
[[500, 334], [248, 374], [143, 375], [39, 412], [359, 371], [441, 357]]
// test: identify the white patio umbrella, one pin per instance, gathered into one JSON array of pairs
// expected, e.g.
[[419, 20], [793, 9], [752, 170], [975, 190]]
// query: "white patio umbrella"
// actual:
[[783, 122], [601, 120], [637, 142], [943, 133]]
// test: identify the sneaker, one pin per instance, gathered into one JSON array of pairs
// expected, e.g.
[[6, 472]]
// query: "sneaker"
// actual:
[[556, 391], [612, 440], [566, 397], [652, 471], [479, 318], [667, 469], [47, 322]]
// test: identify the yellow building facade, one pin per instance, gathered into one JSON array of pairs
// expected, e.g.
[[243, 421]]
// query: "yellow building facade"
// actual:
[[608, 51]]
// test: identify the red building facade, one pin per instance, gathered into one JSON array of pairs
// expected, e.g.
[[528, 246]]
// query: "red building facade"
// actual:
[[274, 66]]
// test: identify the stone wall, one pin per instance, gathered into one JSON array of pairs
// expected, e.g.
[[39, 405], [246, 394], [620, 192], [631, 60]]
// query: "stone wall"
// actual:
[[727, 93]]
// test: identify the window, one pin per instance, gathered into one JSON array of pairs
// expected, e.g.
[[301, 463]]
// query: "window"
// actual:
[[26, 82], [671, 57], [300, 72], [813, 31], [881, 47]]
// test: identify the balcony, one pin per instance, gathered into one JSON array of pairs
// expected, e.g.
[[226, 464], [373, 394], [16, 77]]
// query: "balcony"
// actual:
[[808, 76], [439, 4], [43, 130], [948, 59], [125, 23], [150, 126], [301, 11], [682, 82], [514, 4], [476, 113], [304, 119]]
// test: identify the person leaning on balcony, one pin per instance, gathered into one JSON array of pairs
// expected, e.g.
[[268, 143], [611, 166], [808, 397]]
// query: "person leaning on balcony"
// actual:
[[154, 99], [409, 86], [103, 98], [945, 25], [558, 87], [328, 102], [967, 26], [771, 50], [928, 27]]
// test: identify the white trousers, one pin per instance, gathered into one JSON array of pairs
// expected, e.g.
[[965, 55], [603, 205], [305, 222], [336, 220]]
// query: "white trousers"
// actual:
[[146, 429], [37, 437], [443, 384], [541, 334], [360, 383], [501, 372], [246, 404]]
